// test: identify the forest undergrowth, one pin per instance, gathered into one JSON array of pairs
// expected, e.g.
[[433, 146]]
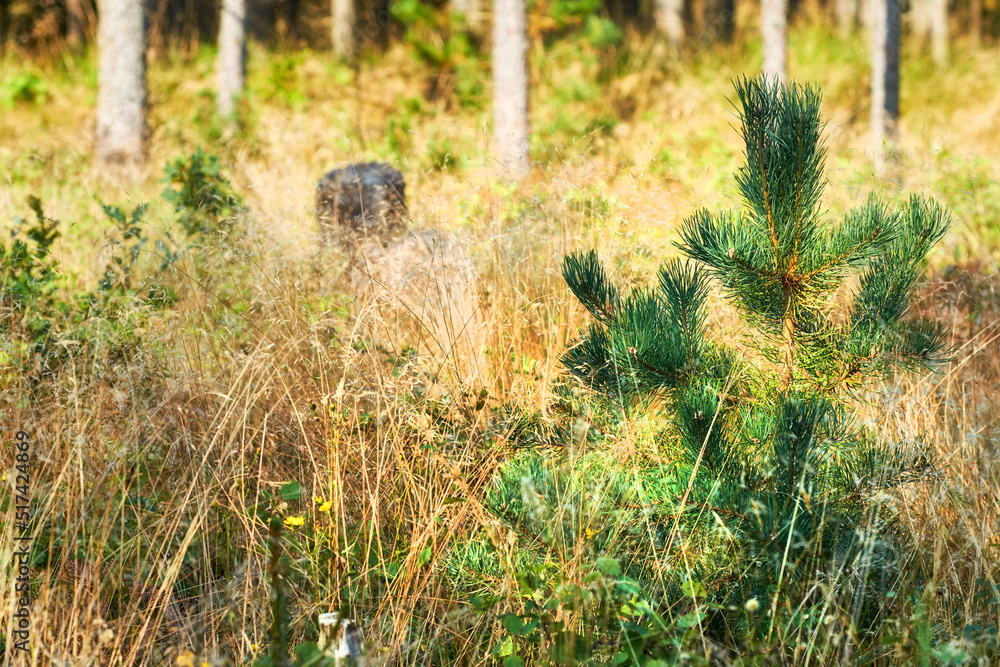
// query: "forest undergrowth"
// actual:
[[223, 415]]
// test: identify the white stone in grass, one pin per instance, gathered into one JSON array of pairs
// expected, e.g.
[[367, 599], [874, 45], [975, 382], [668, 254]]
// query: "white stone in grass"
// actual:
[[347, 642]]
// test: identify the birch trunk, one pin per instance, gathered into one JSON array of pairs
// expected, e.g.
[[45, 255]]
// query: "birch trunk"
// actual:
[[472, 10], [669, 15], [342, 28], [847, 15], [231, 64], [774, 29], [939, 31], [920, 22], [884, 26], [121, 89], [510, 87]]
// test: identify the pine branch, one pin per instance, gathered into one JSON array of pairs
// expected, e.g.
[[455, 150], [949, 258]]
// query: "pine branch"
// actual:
[[732, 252], [683, 291], [590, 362], [766, 443], [781, 181], [586, 278], [924, 223], [863, 236], [918, 345]]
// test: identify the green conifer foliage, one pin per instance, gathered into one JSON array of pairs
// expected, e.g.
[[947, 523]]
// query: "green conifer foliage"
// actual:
[[767, 433], [773, 488]]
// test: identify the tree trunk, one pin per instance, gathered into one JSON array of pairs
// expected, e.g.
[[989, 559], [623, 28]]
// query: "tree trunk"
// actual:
[[121, 90], [847, 15], [342, 28], [727, 20], [976, 20], [884, 24], [669, 16], [472, 10], [920, 22], [76, 23], [939, 31], [231, 64], [4, 25], [510, 87], [774, 29], [289, 24]]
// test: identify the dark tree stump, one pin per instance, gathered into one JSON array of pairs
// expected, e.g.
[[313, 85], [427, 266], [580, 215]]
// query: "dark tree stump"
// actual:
[[360, 199]]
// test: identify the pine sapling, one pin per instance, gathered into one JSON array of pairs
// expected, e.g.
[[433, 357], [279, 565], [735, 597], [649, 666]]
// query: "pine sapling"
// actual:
[[772, 489], [774, 464]]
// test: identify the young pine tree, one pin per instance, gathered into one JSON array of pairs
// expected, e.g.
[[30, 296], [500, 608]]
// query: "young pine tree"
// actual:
[[773, 488], [773, 457]]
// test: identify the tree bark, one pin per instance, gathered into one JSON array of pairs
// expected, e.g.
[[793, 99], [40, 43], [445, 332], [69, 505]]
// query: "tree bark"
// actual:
[[847, 15], [669, 15], [939, 31], [290, 21], [884, 26], [510, 88], [76, 23], [472, 10], [920, 22], [342, 28], [726, 19], [231, 64], [121, 90], [976, 20], [774, 29]]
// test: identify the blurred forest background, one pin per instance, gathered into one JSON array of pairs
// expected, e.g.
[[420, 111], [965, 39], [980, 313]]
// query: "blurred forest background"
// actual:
[[236, 426]]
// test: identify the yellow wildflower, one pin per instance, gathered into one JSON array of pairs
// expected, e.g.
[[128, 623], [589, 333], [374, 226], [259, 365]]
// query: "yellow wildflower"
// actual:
[[325, 507], [294, 521]]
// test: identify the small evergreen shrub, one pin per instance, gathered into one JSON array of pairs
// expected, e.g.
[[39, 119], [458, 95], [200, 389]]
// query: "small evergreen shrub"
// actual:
[[30, 273], [40, 303], [762, 507], [121, 275], [204, 200]]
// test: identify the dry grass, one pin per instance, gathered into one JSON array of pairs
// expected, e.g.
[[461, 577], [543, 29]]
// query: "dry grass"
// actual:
[[149, 466]]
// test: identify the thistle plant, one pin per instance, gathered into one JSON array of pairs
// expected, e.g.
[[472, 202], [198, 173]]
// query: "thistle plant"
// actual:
[[773, 490]]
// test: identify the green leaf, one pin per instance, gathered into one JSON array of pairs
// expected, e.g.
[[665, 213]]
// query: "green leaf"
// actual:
[[513, 661], [290, 491], [691, 619], [425, 557], [693, 589], [629, 587], [504, 647], [513, 624], [307, 652], [609, 566]]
